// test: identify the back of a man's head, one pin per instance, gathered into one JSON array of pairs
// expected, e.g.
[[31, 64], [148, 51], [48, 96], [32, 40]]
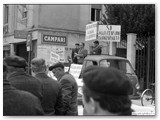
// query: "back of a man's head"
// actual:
[[110, 87], [38, 65], [15, 63]]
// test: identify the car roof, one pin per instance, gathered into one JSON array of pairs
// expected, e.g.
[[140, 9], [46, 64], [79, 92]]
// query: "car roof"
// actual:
[[100, 57]]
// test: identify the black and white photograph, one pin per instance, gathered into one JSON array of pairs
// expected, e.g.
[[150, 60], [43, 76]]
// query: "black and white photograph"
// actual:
[[79, 60]]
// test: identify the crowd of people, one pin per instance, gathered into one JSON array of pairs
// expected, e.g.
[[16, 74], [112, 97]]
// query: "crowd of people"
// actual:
[[52, 97], [79, 52], [105, 90]]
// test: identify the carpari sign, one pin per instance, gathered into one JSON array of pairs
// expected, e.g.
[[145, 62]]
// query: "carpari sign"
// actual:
[[110, 33], [53, 39]]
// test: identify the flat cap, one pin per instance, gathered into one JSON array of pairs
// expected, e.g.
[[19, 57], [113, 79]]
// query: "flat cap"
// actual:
[[96, 42], [106, 81], [15, 61], [38, 62], [59, 64]]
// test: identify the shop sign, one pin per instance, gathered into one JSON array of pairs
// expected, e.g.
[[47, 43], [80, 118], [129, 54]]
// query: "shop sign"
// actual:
[[110, 33], [20, 34], [53, 39], [6, 47]]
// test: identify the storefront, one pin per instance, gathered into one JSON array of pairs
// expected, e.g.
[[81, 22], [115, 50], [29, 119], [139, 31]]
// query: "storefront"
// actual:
[[57, 46]]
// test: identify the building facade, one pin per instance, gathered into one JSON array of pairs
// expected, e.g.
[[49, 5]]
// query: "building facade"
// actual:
[[54, 29]]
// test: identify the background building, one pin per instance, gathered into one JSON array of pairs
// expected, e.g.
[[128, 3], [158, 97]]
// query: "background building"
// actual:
[[54, 28]]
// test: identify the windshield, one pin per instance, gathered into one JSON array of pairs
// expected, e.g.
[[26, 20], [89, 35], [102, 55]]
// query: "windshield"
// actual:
[[122, 65]]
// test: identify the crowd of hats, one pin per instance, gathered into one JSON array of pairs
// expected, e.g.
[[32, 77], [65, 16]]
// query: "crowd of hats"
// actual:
[[100, 79]]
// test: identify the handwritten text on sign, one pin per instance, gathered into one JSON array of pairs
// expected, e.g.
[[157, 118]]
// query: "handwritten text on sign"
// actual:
[[109, 33], [75, 70], [91, 31]]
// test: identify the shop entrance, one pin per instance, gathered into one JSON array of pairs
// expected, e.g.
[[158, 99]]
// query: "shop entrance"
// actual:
[[21, 50]]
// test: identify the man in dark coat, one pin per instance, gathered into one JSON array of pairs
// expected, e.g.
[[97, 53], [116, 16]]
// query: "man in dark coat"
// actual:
[[52, 96], [19, 78], [74, 52], [18, 102], [82, 53], [69, 88], [96, 50]]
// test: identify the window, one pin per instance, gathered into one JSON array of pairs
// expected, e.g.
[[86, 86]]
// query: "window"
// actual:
[[6, 19], [24, 13], [5, 29], [6, 14], [95, 14]]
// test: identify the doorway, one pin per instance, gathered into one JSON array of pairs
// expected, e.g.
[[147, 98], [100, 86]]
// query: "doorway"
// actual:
[[21, 50]]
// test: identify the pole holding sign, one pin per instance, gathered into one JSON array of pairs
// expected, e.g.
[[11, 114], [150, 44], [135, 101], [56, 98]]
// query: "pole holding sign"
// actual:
[[29, 49]]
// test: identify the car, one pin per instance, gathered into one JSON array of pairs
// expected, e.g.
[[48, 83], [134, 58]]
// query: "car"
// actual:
[[120, 63]]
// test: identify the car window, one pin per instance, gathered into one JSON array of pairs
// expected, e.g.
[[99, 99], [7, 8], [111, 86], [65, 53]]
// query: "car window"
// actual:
[[104, 63], [86, 64], [122, 65], [89, 63]]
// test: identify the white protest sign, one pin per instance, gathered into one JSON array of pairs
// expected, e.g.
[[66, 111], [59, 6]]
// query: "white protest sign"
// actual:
[[61, 52], [51, 54], [110, 33], [91, 31], [75, 70], [54, 57], [66, 69]]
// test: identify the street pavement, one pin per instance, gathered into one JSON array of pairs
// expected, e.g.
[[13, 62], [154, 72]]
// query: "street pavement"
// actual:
[[136, 104]]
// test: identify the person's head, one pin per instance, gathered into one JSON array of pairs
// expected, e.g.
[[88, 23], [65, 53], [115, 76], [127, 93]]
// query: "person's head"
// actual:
[[106, 91], [15, 63], [81, 45], [57, 69], [77, 45], [38, 66], [96, 43]]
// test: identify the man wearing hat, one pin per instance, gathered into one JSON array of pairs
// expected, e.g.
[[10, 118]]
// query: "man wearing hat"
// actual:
[[52, 95], [19, 102], [18, 77], [106, 91], [96, 50], [82, 53], [69, 88], [74, 52]]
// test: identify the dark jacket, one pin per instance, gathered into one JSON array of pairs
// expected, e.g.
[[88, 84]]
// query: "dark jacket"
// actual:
[[23, 81], [52, 97], [69, 91], [82, 52], [74, 59], [18, 102], [96, 50]]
